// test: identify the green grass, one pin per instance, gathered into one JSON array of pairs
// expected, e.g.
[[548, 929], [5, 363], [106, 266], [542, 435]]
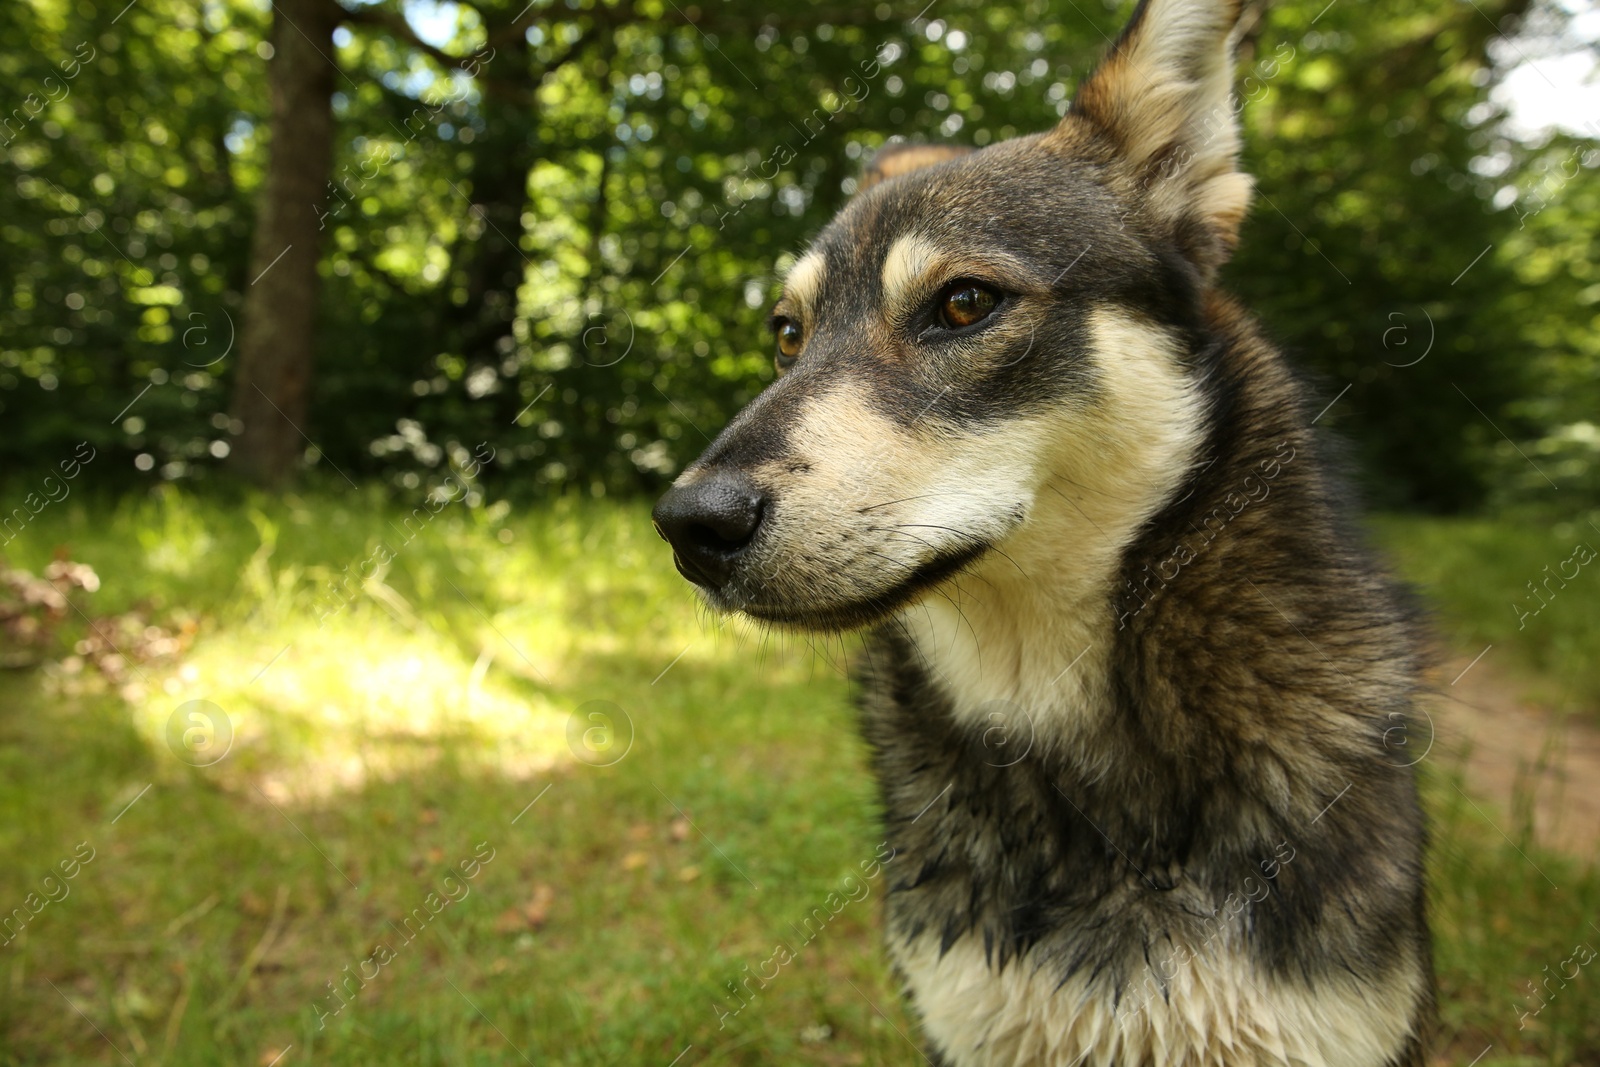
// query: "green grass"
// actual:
[[376, 750], [1475, 574]]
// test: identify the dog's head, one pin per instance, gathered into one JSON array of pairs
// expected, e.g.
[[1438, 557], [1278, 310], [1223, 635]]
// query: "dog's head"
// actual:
[[985, 350]]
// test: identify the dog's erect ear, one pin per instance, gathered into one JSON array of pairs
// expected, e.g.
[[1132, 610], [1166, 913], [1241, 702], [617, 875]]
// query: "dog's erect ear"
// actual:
[[897, 159], [1163, 99]]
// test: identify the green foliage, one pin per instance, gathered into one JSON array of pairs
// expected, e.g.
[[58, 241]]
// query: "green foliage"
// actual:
[[563, 242], [1555, 249], [1369, 217], [124, 212]]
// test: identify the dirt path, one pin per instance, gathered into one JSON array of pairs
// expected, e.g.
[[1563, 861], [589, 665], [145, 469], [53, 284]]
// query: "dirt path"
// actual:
[[1523, 758]]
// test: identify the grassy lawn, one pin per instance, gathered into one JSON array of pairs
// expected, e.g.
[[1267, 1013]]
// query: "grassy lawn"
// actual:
[[402, 859], [1476, 575]]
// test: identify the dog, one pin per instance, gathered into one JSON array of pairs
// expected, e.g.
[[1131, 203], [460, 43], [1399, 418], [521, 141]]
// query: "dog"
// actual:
[[1136, 694]]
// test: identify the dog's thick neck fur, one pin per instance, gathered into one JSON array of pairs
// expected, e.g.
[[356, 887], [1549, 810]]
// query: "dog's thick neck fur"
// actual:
[[1063, 733], [1123, 556]]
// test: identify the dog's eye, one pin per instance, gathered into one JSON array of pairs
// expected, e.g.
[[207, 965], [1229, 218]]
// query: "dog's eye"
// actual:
[[789, 342], [966, 304]]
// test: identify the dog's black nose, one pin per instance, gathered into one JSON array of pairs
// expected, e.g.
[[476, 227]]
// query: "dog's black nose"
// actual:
[[709, 524]]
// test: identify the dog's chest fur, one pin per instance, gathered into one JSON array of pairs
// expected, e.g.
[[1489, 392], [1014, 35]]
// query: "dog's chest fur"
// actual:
[[1164, 830], [1034, 921]]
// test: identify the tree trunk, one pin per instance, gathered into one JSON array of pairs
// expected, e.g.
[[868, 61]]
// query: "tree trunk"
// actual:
[[494, 264], [271, 386]]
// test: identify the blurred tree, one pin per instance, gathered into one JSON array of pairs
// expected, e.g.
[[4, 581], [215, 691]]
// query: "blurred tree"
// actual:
[[1371, 241], [273, 380]]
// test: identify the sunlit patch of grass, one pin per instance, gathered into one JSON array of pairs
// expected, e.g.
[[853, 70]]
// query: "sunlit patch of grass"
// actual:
[[330, 670], [360, 697]]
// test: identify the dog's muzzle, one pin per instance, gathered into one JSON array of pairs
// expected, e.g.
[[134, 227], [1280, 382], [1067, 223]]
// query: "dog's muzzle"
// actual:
[[710, 524]]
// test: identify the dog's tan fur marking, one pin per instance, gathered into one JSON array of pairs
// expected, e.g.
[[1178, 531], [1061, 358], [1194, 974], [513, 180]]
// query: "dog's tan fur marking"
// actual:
[[901, 159], [909, 260], [803, 284], [914, 264], [1104, 470]]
